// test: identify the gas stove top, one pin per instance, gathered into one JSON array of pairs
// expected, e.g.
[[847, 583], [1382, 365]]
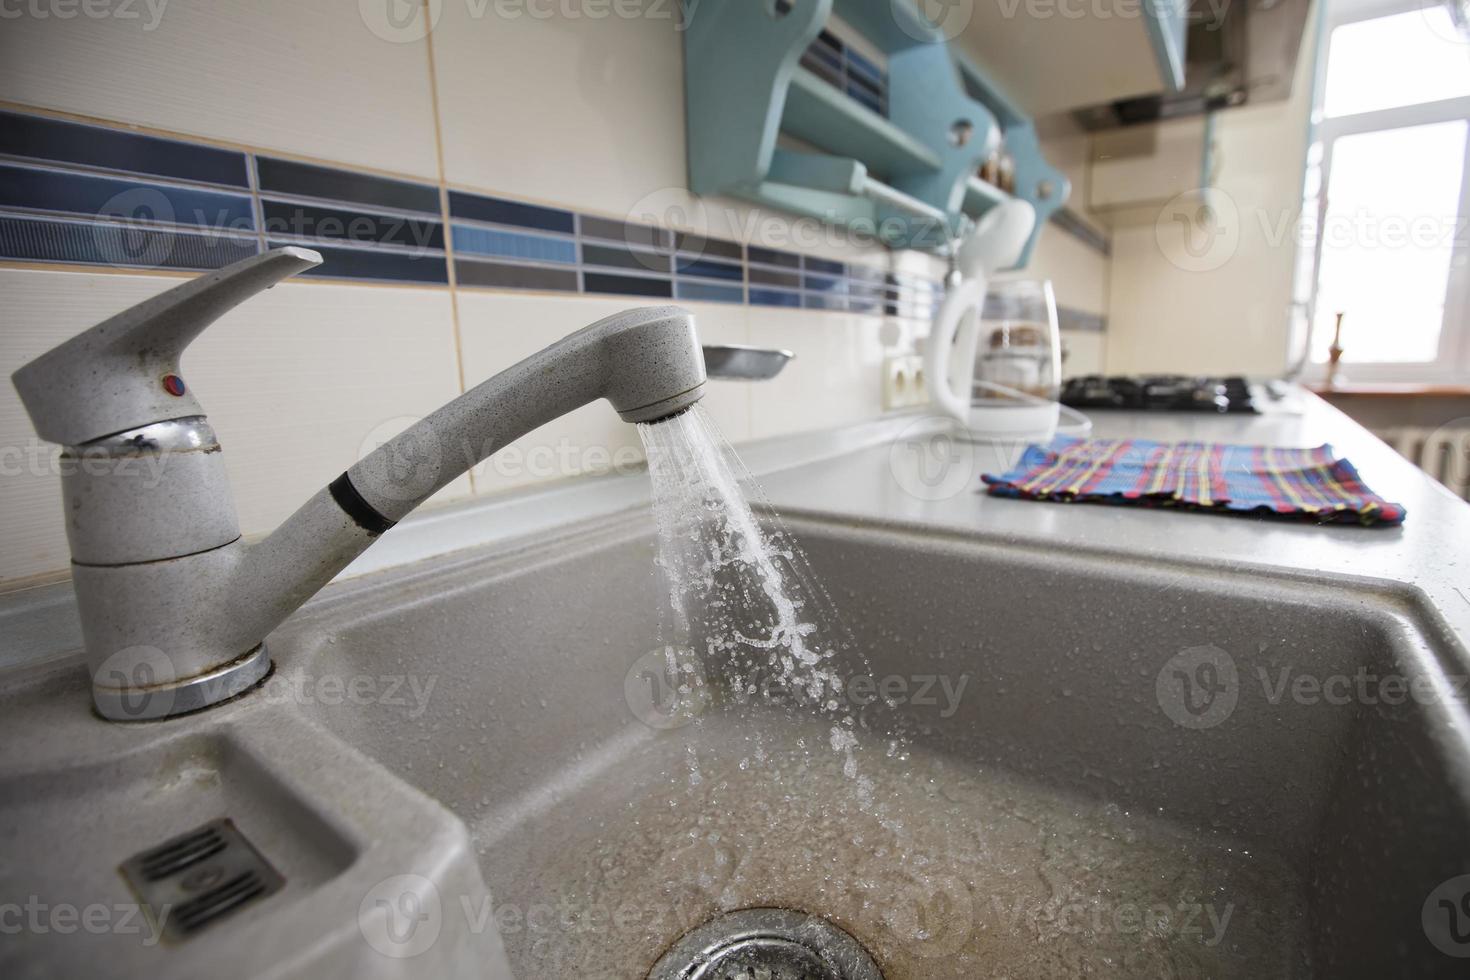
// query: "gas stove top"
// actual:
[[1160, 392]]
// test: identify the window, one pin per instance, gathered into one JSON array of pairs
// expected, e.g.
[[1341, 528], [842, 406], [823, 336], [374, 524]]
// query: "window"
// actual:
[[1387, 183]]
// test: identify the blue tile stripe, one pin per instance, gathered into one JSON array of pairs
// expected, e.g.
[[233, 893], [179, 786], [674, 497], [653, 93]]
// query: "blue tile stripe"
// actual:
[[840, 65], [83, 194]]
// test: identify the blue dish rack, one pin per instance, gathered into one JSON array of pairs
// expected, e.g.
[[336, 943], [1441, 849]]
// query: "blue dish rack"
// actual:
[[908, 178]]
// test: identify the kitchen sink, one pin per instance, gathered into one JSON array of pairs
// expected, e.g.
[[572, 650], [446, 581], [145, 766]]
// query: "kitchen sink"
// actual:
[[1058, 764]]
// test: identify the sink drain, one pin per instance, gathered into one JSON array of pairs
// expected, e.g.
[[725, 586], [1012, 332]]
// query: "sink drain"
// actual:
[[769, 944]]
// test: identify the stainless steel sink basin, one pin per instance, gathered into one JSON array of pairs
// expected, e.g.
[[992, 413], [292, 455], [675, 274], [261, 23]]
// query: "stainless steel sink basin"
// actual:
[[1109, 767]]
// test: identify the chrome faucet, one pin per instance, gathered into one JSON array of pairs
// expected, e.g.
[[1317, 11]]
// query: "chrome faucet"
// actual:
[[175, 607]]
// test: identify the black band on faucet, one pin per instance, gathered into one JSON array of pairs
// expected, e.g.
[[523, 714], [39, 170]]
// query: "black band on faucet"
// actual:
[[352, 502]]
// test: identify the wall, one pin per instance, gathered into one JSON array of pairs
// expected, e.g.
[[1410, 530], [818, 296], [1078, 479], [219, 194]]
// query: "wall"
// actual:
[[577, 113], [1220, 300], [1074, 253]]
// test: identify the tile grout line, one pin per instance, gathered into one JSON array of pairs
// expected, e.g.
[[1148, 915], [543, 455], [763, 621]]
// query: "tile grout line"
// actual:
[[444, 217]]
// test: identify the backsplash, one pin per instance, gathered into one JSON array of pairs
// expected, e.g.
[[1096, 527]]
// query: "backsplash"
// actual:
[[87, 194], [477, 192]]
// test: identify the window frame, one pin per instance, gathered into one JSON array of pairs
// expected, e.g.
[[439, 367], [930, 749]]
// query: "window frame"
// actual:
[[1452, 363]]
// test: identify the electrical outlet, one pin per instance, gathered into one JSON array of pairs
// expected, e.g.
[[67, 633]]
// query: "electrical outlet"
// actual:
[[903, 382]]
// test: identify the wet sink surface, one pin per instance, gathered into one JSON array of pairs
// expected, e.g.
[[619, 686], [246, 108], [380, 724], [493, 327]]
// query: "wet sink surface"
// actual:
[[1109, 768]]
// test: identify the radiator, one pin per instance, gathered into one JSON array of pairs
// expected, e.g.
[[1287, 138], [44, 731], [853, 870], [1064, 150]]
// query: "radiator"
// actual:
[[1443, 453]]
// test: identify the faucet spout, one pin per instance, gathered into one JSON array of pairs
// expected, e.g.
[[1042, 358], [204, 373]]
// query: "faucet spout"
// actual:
[[646, 362], [175, 607]]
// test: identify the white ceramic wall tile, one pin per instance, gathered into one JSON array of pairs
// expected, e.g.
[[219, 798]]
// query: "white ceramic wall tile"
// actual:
[[1079, 273], [1086, 352], [835, 378], [295, 382], [580, 111], [300, 76], [498, 329]]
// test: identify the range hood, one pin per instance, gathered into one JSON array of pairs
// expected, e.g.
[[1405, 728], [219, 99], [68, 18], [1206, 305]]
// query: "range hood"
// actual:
[[1239, 52]]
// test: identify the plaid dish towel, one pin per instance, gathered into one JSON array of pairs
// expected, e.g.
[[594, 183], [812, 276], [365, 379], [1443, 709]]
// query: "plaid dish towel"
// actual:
[[1310, 483]]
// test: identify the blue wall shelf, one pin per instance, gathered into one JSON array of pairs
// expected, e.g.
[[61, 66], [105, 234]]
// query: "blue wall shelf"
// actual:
[[908, 178]]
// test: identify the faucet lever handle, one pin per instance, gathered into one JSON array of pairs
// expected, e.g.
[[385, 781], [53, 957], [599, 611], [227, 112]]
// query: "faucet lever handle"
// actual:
[[124, 372]]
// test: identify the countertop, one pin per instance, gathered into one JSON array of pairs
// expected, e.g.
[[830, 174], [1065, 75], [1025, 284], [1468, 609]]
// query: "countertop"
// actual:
[[895, 470], [1429, 552]]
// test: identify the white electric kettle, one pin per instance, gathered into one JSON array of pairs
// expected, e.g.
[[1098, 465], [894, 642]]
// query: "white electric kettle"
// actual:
[[1006, 413]]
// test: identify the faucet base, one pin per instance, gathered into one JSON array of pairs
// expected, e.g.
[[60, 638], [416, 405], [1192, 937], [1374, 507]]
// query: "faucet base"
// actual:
[[182, 697]]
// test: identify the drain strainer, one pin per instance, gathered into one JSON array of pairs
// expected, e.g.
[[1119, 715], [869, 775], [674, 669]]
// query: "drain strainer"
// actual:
[[193, 880], [766, 944]]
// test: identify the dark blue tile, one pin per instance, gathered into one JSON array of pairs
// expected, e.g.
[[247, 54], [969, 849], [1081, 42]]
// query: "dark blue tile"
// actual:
[[628, 232], [710, 269], [118, 244], [859, 65], [829, 43], [710, 292], [824, 71], [770, 256], [855, 80], [698, 247], [514, 245], [498, 275], [55, 190], [311, 221], [329, 183], [377, 263], [772, 277], [111, 149], [774, 297], [825, 266], [619, 257], [477, 207], [603, 282]]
